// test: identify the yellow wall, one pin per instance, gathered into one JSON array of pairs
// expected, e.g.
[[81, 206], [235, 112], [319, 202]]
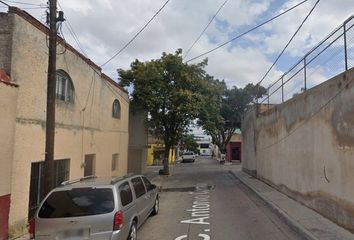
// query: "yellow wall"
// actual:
[[236, 138], [8, 96], [150, 155], [83, 127]]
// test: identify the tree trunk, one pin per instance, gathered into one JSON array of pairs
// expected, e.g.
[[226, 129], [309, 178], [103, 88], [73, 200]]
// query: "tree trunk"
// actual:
[[166, 169]]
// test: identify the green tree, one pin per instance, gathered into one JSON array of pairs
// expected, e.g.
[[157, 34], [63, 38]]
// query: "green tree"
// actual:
[[223, 114], [169, 91], [188, 142]]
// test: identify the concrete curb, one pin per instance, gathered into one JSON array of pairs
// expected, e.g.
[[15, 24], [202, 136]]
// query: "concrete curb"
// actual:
[[292, 223]]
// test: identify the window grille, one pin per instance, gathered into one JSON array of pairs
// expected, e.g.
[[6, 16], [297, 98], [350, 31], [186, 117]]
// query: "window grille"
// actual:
[[64, 89], [116, 109]]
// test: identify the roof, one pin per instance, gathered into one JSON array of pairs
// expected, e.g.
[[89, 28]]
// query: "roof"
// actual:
[[5, 79], [37, 24], [104, 76]]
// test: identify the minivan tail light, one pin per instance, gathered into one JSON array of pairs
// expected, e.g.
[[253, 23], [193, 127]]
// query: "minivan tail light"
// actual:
[[31, 228], [118, 221]]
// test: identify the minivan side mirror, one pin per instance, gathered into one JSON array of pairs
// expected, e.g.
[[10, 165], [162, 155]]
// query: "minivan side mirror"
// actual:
[[153, 186]]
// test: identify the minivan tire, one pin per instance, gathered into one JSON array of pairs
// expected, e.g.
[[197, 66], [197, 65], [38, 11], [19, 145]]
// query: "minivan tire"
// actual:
[[155, 209], [133, 232]]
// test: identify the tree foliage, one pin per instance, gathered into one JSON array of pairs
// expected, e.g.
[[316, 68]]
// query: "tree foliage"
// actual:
[[188, 143], [169, 91], [222, 115]]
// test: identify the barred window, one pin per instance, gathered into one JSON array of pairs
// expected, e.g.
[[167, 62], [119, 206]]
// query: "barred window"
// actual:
[[116, 109], [64, 89]]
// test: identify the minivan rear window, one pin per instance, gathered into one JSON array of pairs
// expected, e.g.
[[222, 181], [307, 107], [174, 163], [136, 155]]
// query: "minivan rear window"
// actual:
[[77, 202]]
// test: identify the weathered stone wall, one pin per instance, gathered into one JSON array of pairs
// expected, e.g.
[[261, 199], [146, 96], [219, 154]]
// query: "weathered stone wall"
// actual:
[[305, 148]]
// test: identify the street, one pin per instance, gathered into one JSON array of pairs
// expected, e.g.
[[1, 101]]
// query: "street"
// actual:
[[203, 200]]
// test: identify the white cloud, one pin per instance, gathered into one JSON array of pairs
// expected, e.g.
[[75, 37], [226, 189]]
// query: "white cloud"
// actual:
[[104, 26]]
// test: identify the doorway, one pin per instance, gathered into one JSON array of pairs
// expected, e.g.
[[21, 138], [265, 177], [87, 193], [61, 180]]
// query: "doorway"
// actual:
[[236, 153], [90, 160]]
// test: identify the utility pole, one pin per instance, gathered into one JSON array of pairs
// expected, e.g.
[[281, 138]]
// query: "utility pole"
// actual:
[[51, 82]]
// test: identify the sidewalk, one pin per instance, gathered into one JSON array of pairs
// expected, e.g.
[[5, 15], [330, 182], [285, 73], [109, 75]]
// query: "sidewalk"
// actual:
[[305, 221], [152, 173]]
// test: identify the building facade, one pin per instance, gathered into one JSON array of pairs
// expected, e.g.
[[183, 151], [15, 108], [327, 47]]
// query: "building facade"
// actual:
[[204, 145], [156, 152], [233, 148], [92, 112]]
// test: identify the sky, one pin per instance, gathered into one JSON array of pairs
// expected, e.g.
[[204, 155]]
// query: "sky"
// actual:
[[104, 26]]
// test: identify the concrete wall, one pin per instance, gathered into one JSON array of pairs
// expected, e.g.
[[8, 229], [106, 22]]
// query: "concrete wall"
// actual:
[[305, 148], [249, 143], [138, 142], [83, 127], [5, 43], [8, 96]]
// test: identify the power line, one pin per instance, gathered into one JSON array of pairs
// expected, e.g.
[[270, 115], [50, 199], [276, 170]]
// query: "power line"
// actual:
[[113, 90], [73, 34], [310, 117], [23, 3], [36, 6], [136, 35], [288, 43], [206, 27], [95, 71], [5, 3], [248, 31]]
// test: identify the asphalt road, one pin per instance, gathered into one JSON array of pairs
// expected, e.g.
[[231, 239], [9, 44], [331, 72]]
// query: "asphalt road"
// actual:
[[203, 200]]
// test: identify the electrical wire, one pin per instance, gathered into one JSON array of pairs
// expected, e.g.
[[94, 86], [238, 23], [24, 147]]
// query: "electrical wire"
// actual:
[[288, 43], [116, 93], [4, 3], [311, 116], [72, 32], [246, 32], [313, 58], [31, 8], [286, 46], [76, 39], [205, 28], [60, 30], [23, 3], [136, 35], [67, 68]]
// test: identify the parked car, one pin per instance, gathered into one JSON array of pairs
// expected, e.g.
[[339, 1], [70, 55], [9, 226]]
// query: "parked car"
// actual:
[[96, 208], [188, 157]]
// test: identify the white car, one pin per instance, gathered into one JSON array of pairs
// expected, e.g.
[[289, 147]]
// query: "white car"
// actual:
[[188, 157]]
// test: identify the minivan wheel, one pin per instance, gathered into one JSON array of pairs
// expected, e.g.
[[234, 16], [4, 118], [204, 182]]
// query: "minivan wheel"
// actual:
[[133, 232], [156, 208]]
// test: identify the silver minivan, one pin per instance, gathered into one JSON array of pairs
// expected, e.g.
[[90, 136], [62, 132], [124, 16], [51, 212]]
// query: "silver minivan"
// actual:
[[96, 208]]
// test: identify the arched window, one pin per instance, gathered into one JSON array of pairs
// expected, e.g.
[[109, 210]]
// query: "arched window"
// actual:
[[64, 88], [116, 109]]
